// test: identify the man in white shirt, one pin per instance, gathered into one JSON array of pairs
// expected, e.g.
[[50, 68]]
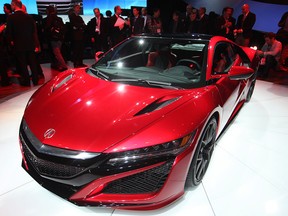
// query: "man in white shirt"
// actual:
[[118, 26], [270, 54], [97, 30]]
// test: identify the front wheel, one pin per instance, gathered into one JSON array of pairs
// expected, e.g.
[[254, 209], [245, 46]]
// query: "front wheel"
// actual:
[[202, 154]]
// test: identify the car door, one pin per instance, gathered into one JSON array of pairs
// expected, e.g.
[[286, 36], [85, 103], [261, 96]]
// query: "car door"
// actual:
[[229, 90]]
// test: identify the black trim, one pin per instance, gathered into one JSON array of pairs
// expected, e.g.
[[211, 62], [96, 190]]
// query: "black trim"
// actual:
[[134, 184], [178, 35]]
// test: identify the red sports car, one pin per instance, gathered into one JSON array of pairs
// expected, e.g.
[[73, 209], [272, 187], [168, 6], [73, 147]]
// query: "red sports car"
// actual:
[[140, 124]]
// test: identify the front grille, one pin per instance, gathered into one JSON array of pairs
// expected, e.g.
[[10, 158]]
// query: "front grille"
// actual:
[[48, 168], [145, 182], [63, 7]]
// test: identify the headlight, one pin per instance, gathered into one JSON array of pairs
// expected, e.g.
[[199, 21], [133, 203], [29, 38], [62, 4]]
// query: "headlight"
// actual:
[[172, 148]]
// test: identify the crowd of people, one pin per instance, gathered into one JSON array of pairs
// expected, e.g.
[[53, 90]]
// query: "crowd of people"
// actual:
[[20, 41]]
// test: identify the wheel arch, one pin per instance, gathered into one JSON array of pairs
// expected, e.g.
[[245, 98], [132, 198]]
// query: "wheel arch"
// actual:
[[215, 115]]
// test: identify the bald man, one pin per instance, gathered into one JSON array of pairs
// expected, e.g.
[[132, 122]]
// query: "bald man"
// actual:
[[244, 26]]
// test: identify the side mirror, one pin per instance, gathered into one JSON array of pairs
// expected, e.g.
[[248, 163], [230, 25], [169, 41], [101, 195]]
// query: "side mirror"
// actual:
[[98, 55], [240, 73]]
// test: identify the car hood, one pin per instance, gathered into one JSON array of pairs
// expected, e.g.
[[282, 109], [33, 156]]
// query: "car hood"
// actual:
[[91, 114]]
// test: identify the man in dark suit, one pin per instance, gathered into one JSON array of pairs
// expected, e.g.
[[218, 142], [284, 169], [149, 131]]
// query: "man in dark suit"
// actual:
[[146, 17], [54, 30], [3, 57], [97, 29], [136, 22], [245, 23], [282, 36], [225, 24], [22, 36], [78, 29], [203, 21], [176, 25], [118, 26]]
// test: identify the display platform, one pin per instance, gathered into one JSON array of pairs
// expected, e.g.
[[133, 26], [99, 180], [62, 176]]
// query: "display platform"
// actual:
[[247, 174]]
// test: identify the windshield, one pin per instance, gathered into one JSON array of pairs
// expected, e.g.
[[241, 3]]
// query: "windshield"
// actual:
[[156, 62]]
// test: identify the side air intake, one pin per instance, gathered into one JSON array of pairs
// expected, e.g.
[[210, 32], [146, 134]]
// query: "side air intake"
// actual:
[[157, 105]]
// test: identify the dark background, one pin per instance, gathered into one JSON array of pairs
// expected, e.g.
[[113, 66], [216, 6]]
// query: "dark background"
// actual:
[[283, 2]]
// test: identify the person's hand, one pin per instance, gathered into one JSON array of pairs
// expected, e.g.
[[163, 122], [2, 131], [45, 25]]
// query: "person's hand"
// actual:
[[121, 26], [228, 24], [260, 53], [237, 31], [127, 22], [2, 28], [37, 49]]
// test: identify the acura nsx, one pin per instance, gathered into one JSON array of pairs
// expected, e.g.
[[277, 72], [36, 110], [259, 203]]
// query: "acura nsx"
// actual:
[[140, 125]]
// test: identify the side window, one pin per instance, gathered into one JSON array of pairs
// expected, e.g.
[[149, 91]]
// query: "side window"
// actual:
[[242, 57], [223, 58]]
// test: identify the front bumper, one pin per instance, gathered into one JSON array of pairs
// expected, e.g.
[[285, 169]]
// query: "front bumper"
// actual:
[[92, 182]]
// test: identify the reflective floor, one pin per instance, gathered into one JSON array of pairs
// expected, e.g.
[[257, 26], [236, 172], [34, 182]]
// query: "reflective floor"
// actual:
[[247, 175]]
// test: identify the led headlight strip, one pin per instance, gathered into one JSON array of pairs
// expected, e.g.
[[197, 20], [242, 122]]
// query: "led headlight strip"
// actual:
[[171, 148]]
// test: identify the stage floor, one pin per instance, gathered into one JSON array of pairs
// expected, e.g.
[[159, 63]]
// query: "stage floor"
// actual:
[[247, 174]]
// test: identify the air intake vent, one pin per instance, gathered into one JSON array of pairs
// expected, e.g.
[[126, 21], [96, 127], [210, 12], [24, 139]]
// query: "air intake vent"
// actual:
[[62, 82], [154, 179], [156, 105]]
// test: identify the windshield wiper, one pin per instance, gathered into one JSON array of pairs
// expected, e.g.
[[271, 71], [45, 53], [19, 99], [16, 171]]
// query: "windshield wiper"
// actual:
[[99, 73], [148, 82]]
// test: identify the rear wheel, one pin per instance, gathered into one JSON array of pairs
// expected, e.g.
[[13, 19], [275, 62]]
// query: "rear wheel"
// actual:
[[202, 155]]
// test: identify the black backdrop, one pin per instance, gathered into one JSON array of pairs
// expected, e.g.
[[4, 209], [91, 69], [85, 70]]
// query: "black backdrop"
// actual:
[[282, 2]]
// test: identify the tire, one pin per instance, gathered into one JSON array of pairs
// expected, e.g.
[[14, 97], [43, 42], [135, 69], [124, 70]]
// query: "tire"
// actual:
[[202, 155], [250, 91]]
